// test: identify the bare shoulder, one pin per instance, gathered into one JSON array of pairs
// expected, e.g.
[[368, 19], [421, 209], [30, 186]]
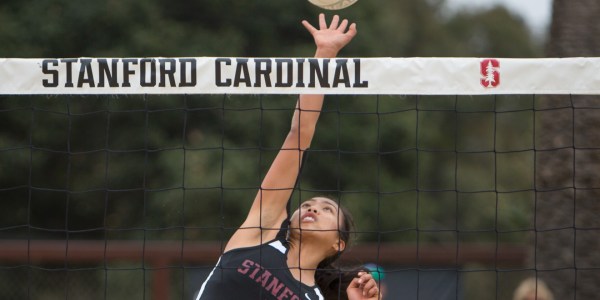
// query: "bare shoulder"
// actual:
[[249, 235]]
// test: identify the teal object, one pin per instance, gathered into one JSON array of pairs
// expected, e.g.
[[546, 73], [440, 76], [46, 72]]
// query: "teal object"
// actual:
[[376, 271]]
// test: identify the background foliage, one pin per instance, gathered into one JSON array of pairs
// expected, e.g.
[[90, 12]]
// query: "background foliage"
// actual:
[[412, 169]]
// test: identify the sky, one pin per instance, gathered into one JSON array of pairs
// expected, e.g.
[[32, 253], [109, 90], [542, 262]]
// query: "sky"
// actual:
[[536, 13]]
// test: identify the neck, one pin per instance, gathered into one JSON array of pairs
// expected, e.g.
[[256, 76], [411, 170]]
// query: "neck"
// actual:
[[303, 259]]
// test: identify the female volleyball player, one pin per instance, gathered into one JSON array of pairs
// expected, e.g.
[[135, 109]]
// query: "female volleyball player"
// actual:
[[277, 256]]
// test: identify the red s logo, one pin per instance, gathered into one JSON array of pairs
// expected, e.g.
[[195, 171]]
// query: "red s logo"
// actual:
[[490, 73]]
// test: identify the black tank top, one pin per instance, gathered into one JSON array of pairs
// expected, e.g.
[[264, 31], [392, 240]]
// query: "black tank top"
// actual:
[[256, 273]]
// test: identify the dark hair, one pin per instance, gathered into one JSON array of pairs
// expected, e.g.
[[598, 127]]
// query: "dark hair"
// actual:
[[330, 278], [333, 282]]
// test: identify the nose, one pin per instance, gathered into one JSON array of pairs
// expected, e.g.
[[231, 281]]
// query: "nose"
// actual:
[[313, 209]]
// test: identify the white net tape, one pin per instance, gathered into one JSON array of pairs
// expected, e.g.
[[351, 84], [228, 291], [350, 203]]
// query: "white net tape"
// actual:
[[211, 75]]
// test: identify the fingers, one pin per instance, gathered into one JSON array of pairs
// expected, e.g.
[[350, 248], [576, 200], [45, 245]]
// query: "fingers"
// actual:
[[335, 22], [352, 31], [309, 27], [322, 22], [334, 25], [374, 292], [367, 284], [342, 26]]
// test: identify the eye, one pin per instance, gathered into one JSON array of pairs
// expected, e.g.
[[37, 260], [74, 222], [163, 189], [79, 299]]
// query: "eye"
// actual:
[[327, 208], [305, 205]]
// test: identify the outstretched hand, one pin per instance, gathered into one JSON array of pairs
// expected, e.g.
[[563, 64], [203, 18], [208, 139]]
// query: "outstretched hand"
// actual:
[[331, 39], [363, 287]]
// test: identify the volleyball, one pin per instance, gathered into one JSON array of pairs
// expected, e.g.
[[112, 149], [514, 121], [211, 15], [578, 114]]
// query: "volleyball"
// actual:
[[332, 4]]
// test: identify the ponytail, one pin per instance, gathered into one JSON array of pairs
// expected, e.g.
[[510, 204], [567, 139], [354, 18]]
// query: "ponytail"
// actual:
[[333, 281]]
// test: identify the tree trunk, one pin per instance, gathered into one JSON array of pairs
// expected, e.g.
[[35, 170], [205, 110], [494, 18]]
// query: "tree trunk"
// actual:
[[567, 219]]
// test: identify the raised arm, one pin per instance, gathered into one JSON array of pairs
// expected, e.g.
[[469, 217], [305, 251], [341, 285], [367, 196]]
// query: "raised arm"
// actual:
[[268, 210]]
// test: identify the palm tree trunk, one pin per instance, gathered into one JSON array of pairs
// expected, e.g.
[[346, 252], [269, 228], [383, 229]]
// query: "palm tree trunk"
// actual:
[[567, 215]]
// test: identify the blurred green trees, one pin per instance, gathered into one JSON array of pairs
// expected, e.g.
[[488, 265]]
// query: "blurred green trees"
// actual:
[[162, 167]]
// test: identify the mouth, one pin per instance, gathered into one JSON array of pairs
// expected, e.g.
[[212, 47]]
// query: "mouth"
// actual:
[[308, 218]]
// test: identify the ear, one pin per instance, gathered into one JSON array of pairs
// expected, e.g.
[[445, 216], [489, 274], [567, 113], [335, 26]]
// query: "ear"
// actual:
[[339, 245]]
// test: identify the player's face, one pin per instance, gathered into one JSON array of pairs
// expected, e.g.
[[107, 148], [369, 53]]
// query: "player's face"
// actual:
[[318, 214]]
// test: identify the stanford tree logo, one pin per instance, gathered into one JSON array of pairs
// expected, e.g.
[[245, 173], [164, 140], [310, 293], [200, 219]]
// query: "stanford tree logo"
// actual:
[[490, 72]]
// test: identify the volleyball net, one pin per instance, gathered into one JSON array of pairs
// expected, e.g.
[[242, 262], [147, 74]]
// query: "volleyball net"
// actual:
[[124, 177]]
